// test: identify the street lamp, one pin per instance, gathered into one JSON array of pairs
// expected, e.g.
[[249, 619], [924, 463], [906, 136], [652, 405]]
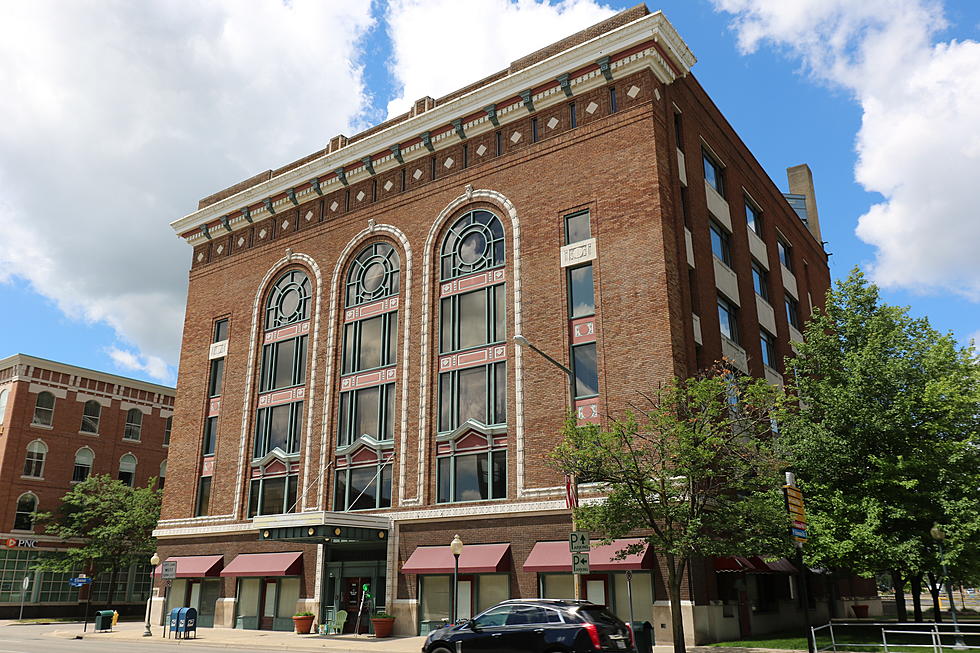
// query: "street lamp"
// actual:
[[939, 535], [154, 561], [456, 547], [521, 341]]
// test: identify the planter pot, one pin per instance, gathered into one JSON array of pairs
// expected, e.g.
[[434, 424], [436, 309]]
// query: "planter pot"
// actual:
[[303, 624], [860, 611], [383, 626]]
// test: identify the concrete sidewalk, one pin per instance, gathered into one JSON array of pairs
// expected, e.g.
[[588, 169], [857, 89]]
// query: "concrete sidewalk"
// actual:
[[257, 639]]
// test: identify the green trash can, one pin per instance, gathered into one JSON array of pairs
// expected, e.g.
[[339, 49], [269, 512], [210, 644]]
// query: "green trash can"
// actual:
[[643, 635], [103, 620]]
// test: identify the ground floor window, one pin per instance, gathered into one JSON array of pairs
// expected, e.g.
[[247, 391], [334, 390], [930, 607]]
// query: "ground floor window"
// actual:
[[267, 603], [477, 592], [14, 565], [202, 594], [610, 589]]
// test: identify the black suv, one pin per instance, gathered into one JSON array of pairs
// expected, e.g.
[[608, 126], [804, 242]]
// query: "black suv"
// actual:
[[536, 626]]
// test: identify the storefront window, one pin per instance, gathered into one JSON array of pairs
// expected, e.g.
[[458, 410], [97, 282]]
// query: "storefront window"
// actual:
[[434, 593]]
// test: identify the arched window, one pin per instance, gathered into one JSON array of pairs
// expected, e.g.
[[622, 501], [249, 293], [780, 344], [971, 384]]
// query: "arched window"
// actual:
[[282, 380], [472, 387], [3, 404], [34, 462], [134, 424], [167, 427], [127, 469], [84, 458], [90, 416], [374, 274], [162, 479], [26, 509], [44, 409]]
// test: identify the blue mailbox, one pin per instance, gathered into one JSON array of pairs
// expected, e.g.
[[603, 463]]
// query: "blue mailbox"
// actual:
[[186, 623], [173, 620]]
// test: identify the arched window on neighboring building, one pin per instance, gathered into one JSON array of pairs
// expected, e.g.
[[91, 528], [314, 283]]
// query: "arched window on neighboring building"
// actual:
[[367, 383], [127, 469], [167, 427], [26, 509], [162, 479], [3, 404], [34, 461], [44, 409], [134, 424], [84, 458], [90, 416], [282, 392], [472, 388]]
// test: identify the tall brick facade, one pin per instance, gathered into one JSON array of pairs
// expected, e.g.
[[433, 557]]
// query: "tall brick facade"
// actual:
[[59, 424], [478, 199]]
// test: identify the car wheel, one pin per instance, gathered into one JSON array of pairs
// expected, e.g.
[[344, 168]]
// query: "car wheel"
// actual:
[[440, 649]]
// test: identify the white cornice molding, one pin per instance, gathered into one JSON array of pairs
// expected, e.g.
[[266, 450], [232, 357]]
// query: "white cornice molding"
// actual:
[[653, 27], [24, 361]]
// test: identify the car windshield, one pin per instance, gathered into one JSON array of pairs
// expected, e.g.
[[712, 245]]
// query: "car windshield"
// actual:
[[494, 617]]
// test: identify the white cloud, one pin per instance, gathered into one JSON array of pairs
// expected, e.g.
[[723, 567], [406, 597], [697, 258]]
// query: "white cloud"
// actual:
[[433, 55], [118, 116], [130, 361], [919, 142]]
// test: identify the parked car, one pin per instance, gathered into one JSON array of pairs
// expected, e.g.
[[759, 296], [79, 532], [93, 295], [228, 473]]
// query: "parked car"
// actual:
[[536, 626]]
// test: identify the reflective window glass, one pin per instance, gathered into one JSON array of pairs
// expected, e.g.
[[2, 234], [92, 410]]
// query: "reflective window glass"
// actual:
[[581, 290]]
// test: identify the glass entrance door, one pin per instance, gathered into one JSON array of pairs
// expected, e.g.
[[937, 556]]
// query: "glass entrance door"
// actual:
[[352, 600], [268, 613]]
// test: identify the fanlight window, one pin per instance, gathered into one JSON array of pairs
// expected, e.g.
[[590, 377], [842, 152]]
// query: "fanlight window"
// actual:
[[127, 469], [24, 515], [90, 416], [34, 461], [289, 300], [84, 458], [475, 242], [374, 274]]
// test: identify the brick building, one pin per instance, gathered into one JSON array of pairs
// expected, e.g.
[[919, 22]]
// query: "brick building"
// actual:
[[350, 395], [58, 425]]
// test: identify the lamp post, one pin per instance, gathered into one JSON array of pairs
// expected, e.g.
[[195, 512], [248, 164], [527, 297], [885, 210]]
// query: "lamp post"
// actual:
[[939, 535], [456, 546], [154, 561], [521, 341]]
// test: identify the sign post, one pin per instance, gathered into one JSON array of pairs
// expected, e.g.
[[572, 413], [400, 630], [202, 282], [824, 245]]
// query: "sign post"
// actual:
[[23, 590], [798, 531]]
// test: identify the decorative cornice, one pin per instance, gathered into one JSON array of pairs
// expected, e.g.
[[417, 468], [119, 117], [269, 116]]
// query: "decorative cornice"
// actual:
[[668, 57]]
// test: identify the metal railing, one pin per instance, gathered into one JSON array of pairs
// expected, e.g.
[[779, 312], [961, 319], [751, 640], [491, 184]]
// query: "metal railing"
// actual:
[[936, 633]]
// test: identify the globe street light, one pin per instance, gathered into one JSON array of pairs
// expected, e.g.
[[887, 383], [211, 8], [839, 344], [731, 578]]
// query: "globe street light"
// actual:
[[154, 561], [940, 536], [456, 547]]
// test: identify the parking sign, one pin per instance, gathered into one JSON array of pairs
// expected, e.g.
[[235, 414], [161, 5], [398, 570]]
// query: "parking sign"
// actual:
[[580, 563], [578, 541], [169, 570]]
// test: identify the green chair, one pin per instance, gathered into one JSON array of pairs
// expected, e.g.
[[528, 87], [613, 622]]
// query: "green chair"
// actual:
[[336, 626]]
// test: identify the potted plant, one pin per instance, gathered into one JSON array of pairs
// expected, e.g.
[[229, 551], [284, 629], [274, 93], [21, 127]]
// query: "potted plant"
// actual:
[[383, 624], [303, 621]]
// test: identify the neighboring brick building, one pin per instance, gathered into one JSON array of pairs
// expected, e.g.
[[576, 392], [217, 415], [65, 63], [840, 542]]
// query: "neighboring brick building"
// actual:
[[349, 389], [59, 424]]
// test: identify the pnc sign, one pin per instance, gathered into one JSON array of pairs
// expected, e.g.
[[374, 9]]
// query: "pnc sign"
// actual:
[[14, 543]]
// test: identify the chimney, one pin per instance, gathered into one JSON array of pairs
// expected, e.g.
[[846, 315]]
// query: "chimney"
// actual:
[[421, 106], [801, 183], [336, 143]]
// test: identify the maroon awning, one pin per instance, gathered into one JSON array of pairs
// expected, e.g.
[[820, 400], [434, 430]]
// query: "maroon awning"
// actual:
[[555, 557], [753, 565], [193, 566], [780, 566], [475, 559], [733, 564], [265, 564]]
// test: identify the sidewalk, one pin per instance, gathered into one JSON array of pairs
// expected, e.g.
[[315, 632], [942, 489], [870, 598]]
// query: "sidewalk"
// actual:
[[257, 639]]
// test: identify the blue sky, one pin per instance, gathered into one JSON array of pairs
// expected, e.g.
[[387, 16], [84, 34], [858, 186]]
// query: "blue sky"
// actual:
[[94, 205]]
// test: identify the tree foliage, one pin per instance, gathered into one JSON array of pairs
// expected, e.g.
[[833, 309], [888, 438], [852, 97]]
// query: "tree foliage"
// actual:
[[696, 470], [886, 441], [112, 523]]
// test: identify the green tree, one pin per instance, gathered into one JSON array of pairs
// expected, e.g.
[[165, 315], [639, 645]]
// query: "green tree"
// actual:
[[886, 440], [115, 521], [696, 471]]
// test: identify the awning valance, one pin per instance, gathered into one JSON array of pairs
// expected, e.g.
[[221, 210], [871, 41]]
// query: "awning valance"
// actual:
[[475, 559], [555, 557], [194, 566], [753, 565], [265, 564]]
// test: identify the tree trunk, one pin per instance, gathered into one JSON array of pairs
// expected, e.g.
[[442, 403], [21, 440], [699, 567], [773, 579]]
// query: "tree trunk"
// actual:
[[899, 583], [916, 582], [937, 614], [675, 576]]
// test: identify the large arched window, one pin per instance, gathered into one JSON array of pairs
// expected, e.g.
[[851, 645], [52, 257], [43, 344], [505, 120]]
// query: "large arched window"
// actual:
[[367, 383], [134, 424], [24, 515], [34, 461], [162, 479], [282, 391], [3, 404], [90, 416], [44, 409], [473, 355], [84, 458], [127, 469]]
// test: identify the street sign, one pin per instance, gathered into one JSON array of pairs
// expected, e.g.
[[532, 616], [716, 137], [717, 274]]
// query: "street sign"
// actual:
[[797, 513], [578, 541], [79, 581], [168, 570], [580, 563], [26, 583]]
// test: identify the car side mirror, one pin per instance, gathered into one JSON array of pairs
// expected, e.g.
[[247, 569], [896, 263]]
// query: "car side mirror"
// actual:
[[472, 625]]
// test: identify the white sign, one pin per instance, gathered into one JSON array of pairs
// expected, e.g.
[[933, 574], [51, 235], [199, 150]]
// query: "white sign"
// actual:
[[578, 541], [169, 571], [26, 584], [580, 563]]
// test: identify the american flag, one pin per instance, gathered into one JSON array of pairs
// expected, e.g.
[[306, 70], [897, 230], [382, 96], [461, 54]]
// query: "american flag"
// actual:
[[571, 492]]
